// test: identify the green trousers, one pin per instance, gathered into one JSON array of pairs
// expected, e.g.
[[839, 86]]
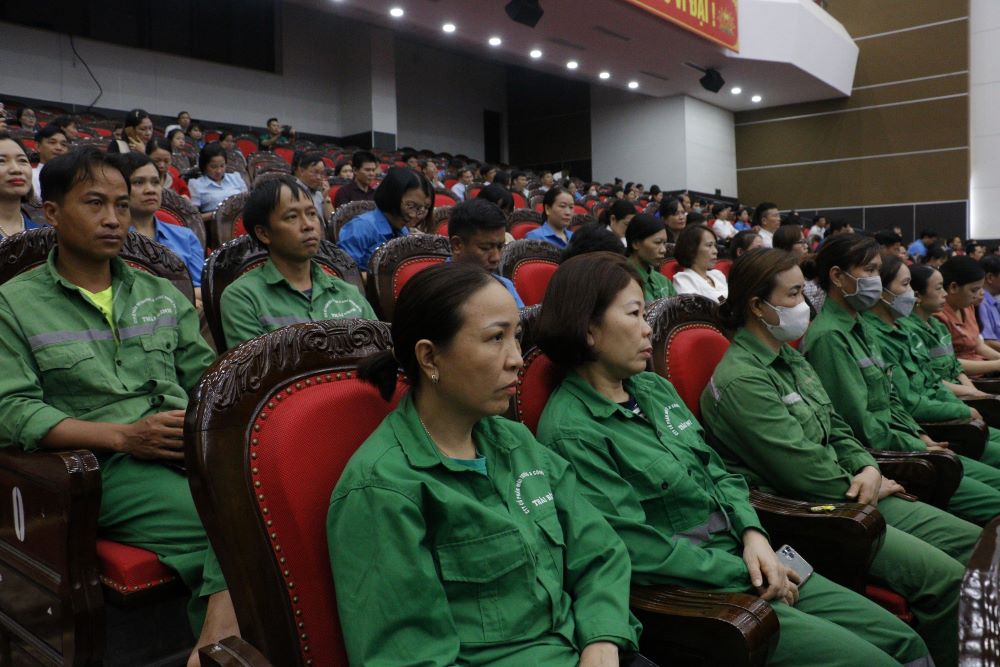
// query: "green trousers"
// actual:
[[831, 626], [923, 559], [149, 505], [991, 455], [977, 498]]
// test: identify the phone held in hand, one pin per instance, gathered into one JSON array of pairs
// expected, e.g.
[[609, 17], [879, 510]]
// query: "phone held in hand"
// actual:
[[791, 558]]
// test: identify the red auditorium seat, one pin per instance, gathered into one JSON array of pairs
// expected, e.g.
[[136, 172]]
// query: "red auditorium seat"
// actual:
[[449, 182], [473, 191], [670, 268], [580, 210], [246, 144], [444, 197], [724, 265], [129, 570], [521, 229], [529, 264], [396, 261], [284, 152], [227, 223], [519, 200]]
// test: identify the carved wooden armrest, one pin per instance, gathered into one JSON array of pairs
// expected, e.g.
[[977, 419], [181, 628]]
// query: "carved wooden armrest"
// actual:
[[989, 385], [989, 408], [839, 539], [965, 437], [232, 652], [932, 476], [686, 626], [979, 601]]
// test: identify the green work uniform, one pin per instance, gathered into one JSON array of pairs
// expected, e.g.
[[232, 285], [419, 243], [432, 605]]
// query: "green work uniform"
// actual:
[[60, 359], [920, 389], [437, 564], [770, 419], [682, 517], [937, 341], [262, 300], [848, 359], [655, 285]]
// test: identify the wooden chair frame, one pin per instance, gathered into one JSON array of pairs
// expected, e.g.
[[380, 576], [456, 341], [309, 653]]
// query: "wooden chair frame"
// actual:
[[344, 214], [391, 255]]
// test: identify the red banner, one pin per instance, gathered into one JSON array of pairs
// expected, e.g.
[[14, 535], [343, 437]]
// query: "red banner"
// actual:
[[715, 20]]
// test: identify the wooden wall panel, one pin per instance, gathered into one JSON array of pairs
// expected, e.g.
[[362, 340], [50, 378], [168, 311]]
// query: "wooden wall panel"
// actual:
[[869, 17], [936, 49]]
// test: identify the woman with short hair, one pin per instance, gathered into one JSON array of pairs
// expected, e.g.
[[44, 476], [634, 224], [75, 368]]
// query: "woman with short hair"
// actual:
[[646, 248], [696, 251], [215, 185]]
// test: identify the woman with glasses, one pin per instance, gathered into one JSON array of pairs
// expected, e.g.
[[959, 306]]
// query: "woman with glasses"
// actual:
[[403, 200]]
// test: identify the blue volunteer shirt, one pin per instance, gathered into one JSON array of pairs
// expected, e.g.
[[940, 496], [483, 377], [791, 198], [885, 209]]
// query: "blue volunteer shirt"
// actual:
[[547, 234], [361, 235]]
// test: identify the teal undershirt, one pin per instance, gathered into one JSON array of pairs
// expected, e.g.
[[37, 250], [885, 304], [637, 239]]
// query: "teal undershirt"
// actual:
[[478, 464]]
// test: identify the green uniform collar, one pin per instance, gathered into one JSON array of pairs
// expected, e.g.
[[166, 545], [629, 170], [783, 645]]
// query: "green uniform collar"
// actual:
[[120, 272], [839, 316], [756, 347], [880, 326], [320, 278], [599, 405]]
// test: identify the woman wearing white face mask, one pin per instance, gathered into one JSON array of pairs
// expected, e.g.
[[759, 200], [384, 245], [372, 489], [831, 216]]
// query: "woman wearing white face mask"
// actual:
[[770, 419]]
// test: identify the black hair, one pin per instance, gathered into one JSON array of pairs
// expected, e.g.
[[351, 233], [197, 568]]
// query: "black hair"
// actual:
[[753, 275], [741, 242], [63, 121], [844, 251], [499, 195], [306, 159], [468, 217], [136, 116], [21, 112], [758, 213], [155, 143], [887, 237], [339, 166], [592, 238], [891, 263], [670, 207], [961, 270], [269, 121], [550, 195], [181, 113], [192, 126], [688, 243], [928, 233], [835, 226], [264, 198], [990, 264], [226, 133], [171, 133], [429, 307], [786, 236], [128, 163], [63, 173], [920, 275], [643, 226], [502, 178], [935, 251], [210, 151], [620, 209], [361, 157], [719, 208], [49, 131], [516, 174], [397, 182], [654, 190]]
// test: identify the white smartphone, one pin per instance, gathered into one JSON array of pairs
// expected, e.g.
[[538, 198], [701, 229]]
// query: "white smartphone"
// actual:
[[790, 557]]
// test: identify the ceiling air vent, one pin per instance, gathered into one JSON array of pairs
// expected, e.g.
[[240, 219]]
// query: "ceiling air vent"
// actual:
[[612, 33], [562, 42]]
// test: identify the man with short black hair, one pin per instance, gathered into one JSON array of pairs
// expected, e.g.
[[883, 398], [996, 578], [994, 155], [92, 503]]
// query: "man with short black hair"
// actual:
[[276, 135], [310, 171], [478, 231], [768, 218], [918, 248], [52, 142], [290, 287], [360, 188], [519, 183], [430, 171], [68, 126], [723, 227], [891, 243], [182, 124]]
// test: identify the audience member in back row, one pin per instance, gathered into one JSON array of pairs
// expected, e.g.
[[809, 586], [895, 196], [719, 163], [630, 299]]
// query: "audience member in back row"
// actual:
[[362, 188], [640, 458], [963, 284], [478, 232], [454, 537], [310, 171], [464, 181], [558, 207], [404, 199], [767, 218], [158, 150], [591, 238], [68, 124], [723, 228], [183, 121], [674, 217], [276, 135], [768, 417], [646, 248], [26, 119], [617, 217], [696, 252], [136, 353], [138, 131], [145, 198], [790, 239], [52, 142], [214, 185], [743, 242], [291, 287], [988, 311], [15, 186]]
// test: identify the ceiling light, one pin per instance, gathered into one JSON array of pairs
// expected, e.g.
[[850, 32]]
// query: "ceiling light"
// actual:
[[396, 12], [495, 41], [535, 53], [572, 64], [756, 99], [633, 84], [605, 75], [527, 12], [736, 90], [448, 27]]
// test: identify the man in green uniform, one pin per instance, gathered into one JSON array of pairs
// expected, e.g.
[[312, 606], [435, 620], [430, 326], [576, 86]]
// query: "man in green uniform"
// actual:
[[96, 355], [290, 287]]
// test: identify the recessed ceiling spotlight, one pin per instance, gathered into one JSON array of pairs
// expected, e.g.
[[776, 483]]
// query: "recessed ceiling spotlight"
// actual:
[[736, 90], [756, 99], [572, 64], [536, 53], [448, 27], [495, 41], [633, 84], [396, 12], [605, 75]]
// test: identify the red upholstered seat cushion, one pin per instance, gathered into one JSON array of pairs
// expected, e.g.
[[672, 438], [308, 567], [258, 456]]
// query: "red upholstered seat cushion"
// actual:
[[409, 268], [893, 602], [693, 352], [536, 381], [300, 454], [442, 229], [129, 569], [521, 229], [519, 200], [531, 277], [540, 207], [670, 268], [238, 228], [724, 265], [441, 199], [169, 218]]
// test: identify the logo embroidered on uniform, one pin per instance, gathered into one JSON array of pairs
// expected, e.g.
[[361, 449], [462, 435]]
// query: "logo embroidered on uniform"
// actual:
[[535, 502], [793, 397], [151, 309], [351, 310], [676, 430]]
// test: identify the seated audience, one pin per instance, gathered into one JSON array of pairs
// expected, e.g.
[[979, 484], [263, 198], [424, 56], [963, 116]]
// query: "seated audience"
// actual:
[[403, 200], [362, 188], [487, 173], [646, 247], [52, 142], [344, 169], [838, 227], [464, 181], [145, 199], [15, 187], [955, 247], [310, 172], [478, 232], [989, 310], [290, 288], [723, 228], [137, 133], [548, 181], [519, 183], [68, 124], [640, 458], [815, 296], [454, 537], [818, 229], [183, 121], [502, 178], [158, 150], [936, 256], [963, 283], [848, 360], [744, 241], [196, 134], [696, 252], [891, 243], [918, 248], [742, 223], [228, 141], [136, 353], [591, 238], [430, 171], [26, 119], [767, 219], [276, 135], [412, 162], [500, 196], [768, 417], [789, 238], [175, 139], [558, 207], [617, 217], [215, 185], [674, 217]]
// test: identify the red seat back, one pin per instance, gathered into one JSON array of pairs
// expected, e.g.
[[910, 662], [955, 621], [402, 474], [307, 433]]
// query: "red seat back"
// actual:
[[540, 207], [246, 146], [239, 229], [442, 229], [519, 200], [724, 265], [531, 278], [692, 353], [409, 268], [448, 182], [442, 199], [169, 218], [670, 268], [284, 152], [521, 229], [580, 210], [536, 381]]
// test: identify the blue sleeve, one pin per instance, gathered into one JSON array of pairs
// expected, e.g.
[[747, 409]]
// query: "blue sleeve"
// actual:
[[988, 319], [353, 241], [194, 187], [194, 257]]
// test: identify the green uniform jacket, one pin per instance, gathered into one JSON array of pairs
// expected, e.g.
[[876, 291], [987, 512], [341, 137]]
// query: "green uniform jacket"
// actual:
[[918, 387], [937, 342], [848, 360], [769, 417], [437, 564], [655, 285], [262, 300], [656, 481], [60, 359]]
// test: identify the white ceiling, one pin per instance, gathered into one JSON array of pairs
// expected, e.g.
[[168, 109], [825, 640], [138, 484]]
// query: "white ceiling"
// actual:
[[628, 42]]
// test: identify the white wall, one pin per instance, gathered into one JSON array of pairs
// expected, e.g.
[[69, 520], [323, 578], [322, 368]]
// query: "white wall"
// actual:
[[984, 121], [710, 143], [440, 98]]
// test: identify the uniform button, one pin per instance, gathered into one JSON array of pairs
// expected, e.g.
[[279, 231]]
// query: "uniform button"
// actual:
[[664, 486], [118, 362]]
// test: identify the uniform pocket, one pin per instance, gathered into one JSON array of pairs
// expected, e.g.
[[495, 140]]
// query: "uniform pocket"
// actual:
[[664, 491], [878, 388], [69, 373], [159, 350]]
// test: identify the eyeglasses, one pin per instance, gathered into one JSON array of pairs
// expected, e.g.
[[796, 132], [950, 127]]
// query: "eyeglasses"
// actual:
[[412, 209]]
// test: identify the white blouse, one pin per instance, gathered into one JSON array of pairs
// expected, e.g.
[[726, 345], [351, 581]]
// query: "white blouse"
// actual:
[[689, 282]]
